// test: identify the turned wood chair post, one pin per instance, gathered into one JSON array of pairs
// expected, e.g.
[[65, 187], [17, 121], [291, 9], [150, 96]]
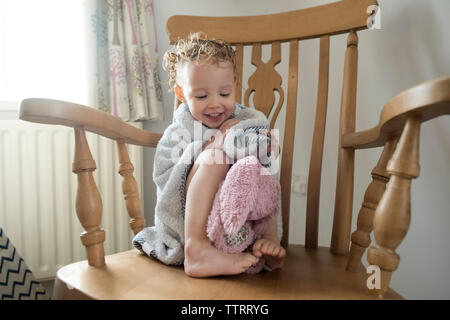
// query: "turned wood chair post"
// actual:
[[340, 237], [130, 188], [361, 237], [392, 216], [88, 201]]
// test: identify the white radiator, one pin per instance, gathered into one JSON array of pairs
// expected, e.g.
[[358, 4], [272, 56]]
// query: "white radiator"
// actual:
[[38, 188]]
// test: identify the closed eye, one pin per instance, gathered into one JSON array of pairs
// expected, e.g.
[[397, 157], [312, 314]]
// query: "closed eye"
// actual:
[[224, 94], [201, 97]]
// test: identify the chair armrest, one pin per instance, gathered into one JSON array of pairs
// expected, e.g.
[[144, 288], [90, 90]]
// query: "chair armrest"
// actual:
[[69, 114], [427, 100]]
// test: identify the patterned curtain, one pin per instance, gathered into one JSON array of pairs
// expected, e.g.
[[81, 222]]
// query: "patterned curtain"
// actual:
[[125, 59]]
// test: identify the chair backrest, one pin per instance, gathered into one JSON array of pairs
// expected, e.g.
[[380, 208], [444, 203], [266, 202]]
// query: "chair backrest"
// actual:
[[346, 16]]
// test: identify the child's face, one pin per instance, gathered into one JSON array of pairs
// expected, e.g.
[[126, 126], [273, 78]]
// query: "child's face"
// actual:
[[209, 90]]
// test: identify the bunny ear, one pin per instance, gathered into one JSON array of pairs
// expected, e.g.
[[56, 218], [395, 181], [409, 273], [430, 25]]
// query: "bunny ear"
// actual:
[[268, 201], [239, 193]]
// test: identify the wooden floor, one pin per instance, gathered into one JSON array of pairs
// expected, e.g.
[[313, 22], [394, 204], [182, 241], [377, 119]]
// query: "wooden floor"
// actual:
[[307, 274]]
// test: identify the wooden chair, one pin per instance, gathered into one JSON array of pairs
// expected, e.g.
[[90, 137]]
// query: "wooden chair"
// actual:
[[310, 272]]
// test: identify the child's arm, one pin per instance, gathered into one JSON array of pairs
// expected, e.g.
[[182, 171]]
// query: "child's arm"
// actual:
[[217, 141]]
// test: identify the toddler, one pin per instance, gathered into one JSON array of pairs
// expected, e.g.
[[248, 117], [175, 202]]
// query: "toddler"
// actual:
[[191, 161]]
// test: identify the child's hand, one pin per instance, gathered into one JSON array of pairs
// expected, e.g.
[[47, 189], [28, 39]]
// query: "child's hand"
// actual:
[[217, 141], [272, 251]]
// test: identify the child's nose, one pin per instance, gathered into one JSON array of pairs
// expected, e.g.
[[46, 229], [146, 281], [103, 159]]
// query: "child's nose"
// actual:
[[215, 104]]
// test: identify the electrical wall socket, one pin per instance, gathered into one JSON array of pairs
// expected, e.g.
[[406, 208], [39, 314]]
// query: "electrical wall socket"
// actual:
[[299, 183]]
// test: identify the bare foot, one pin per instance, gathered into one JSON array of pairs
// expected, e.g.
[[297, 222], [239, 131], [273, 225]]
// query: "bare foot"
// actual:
[[202, 259], [273, 253]]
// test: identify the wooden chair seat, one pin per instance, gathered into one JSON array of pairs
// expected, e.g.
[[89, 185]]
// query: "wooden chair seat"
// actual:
[[307, 274]]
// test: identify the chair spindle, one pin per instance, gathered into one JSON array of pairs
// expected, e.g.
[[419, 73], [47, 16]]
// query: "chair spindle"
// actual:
[[130, 189], [239, 67], [88, 201], [361, 237], [340, 237], [315, 163], [288, 140], [392, 216]]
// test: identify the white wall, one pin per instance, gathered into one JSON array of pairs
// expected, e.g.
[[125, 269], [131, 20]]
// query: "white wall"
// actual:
[[411, 47]]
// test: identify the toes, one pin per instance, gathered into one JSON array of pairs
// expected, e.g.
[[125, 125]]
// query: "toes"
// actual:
[[261, 248], [279, 253], [276, 252], [247, 261], [257, 253], [267, 248], [253, 259], [264, 247], [257, 249]]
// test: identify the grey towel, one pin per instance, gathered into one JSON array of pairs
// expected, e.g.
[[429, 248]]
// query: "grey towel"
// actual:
[[175, 154]]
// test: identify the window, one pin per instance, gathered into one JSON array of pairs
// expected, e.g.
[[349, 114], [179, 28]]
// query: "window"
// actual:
[[42, 51]]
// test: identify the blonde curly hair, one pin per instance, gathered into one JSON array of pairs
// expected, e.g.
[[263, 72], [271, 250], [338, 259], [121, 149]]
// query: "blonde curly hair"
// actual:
[[194, 49]]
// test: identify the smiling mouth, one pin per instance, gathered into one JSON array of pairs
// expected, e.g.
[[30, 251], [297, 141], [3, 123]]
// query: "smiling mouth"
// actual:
[[214, 116]]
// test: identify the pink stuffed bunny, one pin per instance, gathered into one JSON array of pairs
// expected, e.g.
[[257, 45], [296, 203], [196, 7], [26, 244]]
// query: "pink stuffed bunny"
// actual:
[[243, 205]]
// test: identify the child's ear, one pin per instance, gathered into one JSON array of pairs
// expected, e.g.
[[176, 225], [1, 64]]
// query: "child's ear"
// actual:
[[179, 93]]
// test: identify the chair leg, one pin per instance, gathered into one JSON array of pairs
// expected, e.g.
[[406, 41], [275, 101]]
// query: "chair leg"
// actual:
[[361, 237], [392, 216]]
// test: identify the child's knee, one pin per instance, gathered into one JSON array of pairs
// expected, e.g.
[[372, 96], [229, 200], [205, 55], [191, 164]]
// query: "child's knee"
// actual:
[[212, 163]]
